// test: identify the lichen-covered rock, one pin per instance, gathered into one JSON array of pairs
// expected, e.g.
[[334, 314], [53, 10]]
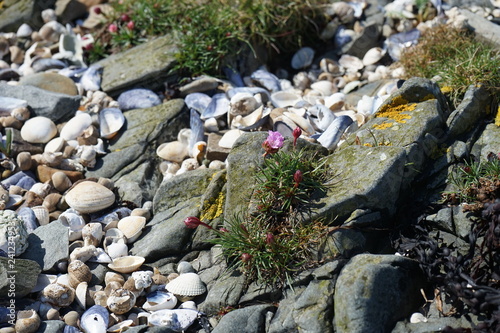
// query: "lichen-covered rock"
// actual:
[[13, 233], [251, 319], [20, 272]]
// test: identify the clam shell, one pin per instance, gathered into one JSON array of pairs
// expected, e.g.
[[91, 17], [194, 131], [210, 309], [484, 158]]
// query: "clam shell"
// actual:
[[265, 79], [27, 321], [55, 145], [82, 294], [229, 138], [218, 106], [89, 197], [110, 122], [112, 276], [282, 99], [326, 88], [174, 151], [197, 101], [95, 320], [92, 234], [76, 126], [78, 272], [158, 300], [177, 319], [38, 130], [83, 253], [132, 226], [120, 301], [335, 101], [373, 55], [126, 264], [324, 116], [186, 286], [58, 294], [117, 250], [351, 63], [303, 58], [91, 78]]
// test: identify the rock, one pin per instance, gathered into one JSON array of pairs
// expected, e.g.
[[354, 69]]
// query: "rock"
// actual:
[[484, 29], [226, 291], [373, 292], [55, 106], [462, 223], [488, 142], [369, 37], [48, 244], [23, 11], [214, 151], [51, 82], [51, 326], [251, 319], [122, 71], [69, 10], [22, 273]]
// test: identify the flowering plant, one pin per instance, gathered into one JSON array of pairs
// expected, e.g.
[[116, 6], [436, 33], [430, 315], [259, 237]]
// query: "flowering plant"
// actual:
[[273, 242]]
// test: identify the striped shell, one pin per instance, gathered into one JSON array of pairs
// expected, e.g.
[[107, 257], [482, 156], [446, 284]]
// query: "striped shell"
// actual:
[[89, 197], [187, 285]]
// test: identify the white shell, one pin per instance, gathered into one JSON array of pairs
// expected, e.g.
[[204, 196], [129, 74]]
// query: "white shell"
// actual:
[[159, 300], [58, 294], [81, 294], [335, 102], [373, 55], [42, 214], [117, 250], [417, 317], [187, 284], [229, 138], [126, 264], [110, 122], [326, 88], [281, 99], [74, 222], [120, 301], [89, 197], [95, 320], [92, 234], [174, 151], [38, 130], [75, 126], [177, 319], [132, 226], [350, 63]]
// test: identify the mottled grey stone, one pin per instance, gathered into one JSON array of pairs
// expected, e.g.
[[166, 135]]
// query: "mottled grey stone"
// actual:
[[251, 319], [226, 291], [368, 38], [23, 11], [483, 28], [23, 273], [488, 142], [443, 219], [284, 318], [373, 292], [132, 69], [462, 221], [55, 106], [51, 326], [48, 244], [313, 309]]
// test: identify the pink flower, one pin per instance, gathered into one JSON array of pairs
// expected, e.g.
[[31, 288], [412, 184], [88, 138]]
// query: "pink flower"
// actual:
[[245, 257], [273, 143], [296, 133], [131, 25], [113, 28], [97, 10], [193, 222], [124, 17], [297, 178], [269, 238]]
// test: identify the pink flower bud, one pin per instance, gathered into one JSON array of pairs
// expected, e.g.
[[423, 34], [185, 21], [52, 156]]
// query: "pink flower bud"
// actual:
[[296, 133], [245, 257], [223, 230], [297, 177], [113, 28], [97, 10], [131, 25], [192, 222], [124, 17], [269, 238]]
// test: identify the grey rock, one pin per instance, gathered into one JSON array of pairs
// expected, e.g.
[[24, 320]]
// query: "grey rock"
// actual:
[[51, 82], [48, 244], [313, 310], [51, 326], [23, 273], [284, 318], [344, 243], [462, 221], [201, 84], [23, 11], [443, 219], [257, 292], [131, 68], [373, 292], [98, 272], [251, 319], [329, 270], [483, 29], [150, 329], [474, 107], [489, 141], [70, 10], [226, 291], [369, 37], [55, 106]]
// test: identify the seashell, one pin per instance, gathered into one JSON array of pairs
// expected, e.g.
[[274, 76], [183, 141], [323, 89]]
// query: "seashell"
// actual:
[[83, 253], [174, 151], [282, 99], [303, 58], [332, 135], [110, 122], [95, 320], [300, 121], [76, 126], [198, 151], [350, 86], [146, 213], [132, 226], [112, 276], [188, 305], [71, 219], [23, 161], [44, 64], [417, 317], [326, 88], [42, 214], [78, 272], [335, 102], [91, 78], [40, 189], [373, 55], [100, 298], [351, 63], [24, 31], [265, 96], [27, 321], [117, 250], [82, 295], [89, 197], [188, 164], [330, 66], [186, 286], [58, 294], [229, 138], [395, 43], [138, 99], [120, 301], [142, 279], [55, 145], [29, 218], [127, 264], [92, 234], [61, 181], [38, 130], [265, 79], [158, 300], [121, 326], [197, 101], [242, 104], [177, 320], [323, 116], [51, 31], [114, 235], [218, 106], [100, 256]]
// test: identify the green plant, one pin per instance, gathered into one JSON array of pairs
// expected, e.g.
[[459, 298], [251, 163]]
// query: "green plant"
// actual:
[[457, 57], [273, 243], [6, 147]]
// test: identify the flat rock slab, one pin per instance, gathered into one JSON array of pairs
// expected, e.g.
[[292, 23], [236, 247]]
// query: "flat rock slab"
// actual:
[[55, 106], [47, 245], [148, 65], [247, 320], [21, 273], [373, 292], [483, 28], [23, 11]]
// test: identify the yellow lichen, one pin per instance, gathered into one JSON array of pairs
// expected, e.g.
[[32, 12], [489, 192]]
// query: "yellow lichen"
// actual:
[[497, 117], [428, 97], [395, 109], [367, 145], [446, 89], [213, 208], [382, 126]]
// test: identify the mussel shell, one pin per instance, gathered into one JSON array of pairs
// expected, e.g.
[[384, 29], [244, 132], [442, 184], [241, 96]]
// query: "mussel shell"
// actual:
[[138, 99], [95, 320]]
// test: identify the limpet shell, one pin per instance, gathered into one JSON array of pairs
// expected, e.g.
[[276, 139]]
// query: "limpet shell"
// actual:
[[27, 321], [126, 264], [186, 286], [38, 130], [132, 226], [89, 197]]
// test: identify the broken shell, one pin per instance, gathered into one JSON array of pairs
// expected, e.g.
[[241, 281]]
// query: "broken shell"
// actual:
[[74, 222], [58, 294], [78, 272], [38, 130], [177, 320], [27, 321], [158, 300], [112, 276], [335, 101], [100, 298], [186, 286], [82, 295], [120, 301], [121, 326], [76, 126], [117, 250], [95, 320], [83, 253], [92, 234], [351, 63], [132, 226], [142, 279], [282, 99], [127, 264], [110, 122], [89, 197]]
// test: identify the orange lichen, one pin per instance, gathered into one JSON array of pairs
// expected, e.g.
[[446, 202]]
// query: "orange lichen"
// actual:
[[394, 111], [382, 126]]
